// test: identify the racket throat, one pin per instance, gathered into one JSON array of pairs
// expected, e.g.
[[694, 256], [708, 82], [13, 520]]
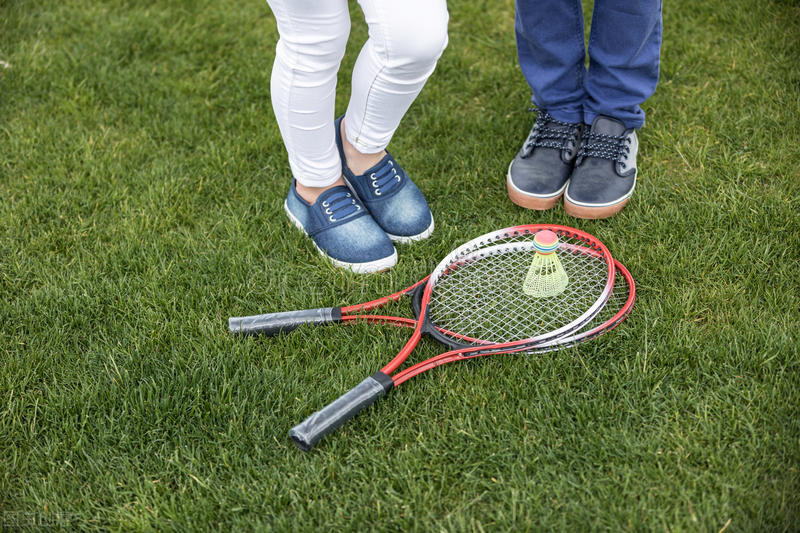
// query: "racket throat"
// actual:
[[385, 380]]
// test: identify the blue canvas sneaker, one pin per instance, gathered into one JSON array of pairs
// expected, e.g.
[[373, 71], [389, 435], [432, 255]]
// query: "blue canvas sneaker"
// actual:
[[605, 171], [342, 230], [396, 204], [538, 174]]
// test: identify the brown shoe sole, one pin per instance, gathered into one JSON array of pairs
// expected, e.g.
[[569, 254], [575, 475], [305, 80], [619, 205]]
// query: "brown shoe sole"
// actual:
[[593, 213]]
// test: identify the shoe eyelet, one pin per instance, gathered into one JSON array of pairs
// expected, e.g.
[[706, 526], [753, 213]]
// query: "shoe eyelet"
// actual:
[[328, 212], [377, 192], [358, 207], [375, 184], [372, 176], [348, 195], [331, 218], [325, 204]]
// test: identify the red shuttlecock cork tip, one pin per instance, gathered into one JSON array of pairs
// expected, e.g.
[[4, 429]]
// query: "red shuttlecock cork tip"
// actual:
[[545, 242]]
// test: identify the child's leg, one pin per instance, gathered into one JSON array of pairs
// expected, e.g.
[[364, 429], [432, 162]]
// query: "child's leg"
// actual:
[[552, 55], [313, 38], [313, 35], [624, 49], [405, 41]]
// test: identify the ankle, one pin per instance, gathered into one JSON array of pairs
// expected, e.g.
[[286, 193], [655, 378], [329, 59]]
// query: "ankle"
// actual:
[[310, 194], [356, 161]]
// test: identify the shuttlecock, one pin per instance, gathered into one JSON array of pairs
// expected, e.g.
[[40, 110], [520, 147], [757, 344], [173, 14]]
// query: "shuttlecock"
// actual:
[[546, 276]]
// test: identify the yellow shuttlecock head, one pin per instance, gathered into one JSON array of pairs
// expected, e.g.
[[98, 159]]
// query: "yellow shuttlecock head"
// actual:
[[546, 276]]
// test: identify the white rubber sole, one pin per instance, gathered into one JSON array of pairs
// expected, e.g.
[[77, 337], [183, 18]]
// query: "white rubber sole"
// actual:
[[379, 265]]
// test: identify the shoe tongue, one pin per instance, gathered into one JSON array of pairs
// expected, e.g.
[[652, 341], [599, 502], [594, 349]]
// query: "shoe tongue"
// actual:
[[557, 127], [608, 126], [338, 191]]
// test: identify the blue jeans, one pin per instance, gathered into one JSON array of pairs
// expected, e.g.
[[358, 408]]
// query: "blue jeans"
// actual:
[[624, 48]]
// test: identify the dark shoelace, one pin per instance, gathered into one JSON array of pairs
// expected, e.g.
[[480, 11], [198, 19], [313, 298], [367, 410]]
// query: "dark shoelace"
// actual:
[[385, 178], [340, 205], [611, 147], [545, 135]]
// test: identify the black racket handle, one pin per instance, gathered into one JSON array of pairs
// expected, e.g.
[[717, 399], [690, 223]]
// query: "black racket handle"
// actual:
[[274, 323], [308, 432]]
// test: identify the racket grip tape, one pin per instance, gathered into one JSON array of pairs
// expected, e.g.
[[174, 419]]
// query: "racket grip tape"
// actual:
[[308, 432], [274, 323]]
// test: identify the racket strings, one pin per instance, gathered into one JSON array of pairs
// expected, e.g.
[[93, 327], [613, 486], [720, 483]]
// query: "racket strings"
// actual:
[[617, 301], [481, 296]]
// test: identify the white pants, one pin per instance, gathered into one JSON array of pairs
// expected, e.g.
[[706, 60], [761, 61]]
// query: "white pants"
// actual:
[[406, 38]]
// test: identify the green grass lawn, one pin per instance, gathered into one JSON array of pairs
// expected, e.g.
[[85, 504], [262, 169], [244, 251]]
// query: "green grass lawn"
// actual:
[[142, 177]]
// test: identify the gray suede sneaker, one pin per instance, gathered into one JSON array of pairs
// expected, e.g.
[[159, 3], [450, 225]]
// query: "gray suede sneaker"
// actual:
[[538, 174], [605, 170]]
